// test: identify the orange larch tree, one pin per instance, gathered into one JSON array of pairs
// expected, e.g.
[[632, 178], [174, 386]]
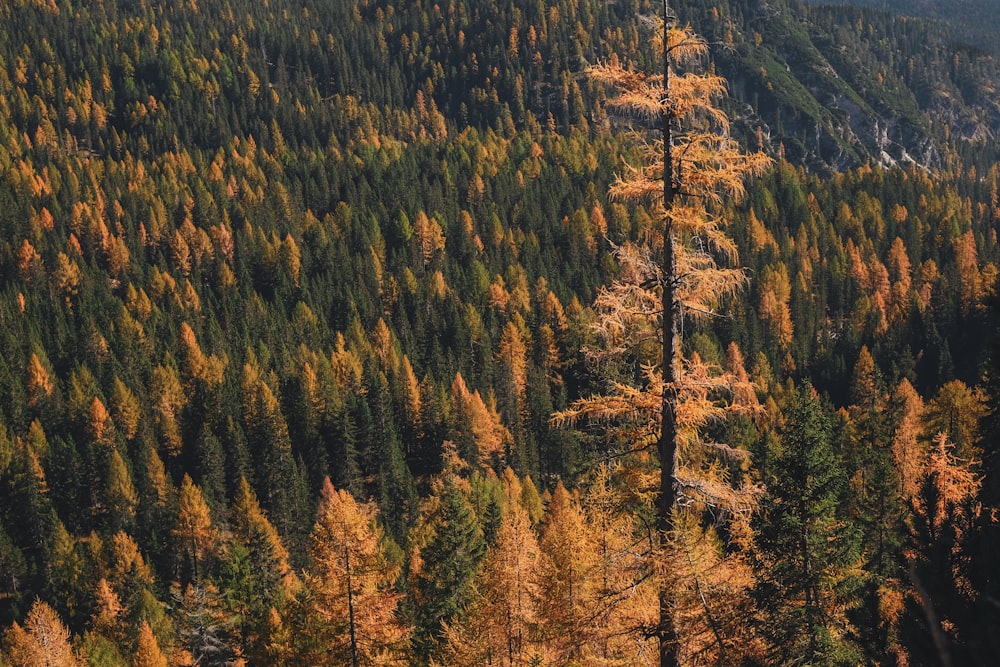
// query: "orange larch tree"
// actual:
[[681, 269], [44, 640], [147, 652], [569, 581], [197, 539], [351, 598]]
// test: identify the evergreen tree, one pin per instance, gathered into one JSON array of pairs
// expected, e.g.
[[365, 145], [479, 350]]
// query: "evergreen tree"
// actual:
[[121, 499], [498, 625], [443, 584], [384, 460], [808, 555], [941, 604], [279, 482], [254, 573], [875, 500], [984, 542], [14, 569]]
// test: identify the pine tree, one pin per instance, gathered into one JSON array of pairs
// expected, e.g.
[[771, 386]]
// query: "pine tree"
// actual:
[[14, 569], [498, 627], [384, 459], [254, 574], [875, 501], [279, 482], [67, 575], [251, 527]]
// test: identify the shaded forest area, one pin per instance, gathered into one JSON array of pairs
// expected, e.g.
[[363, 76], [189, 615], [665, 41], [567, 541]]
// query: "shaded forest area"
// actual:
[[290, 293]]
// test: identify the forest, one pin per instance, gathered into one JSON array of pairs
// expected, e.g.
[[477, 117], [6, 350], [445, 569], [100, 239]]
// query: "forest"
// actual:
[[330, 335]]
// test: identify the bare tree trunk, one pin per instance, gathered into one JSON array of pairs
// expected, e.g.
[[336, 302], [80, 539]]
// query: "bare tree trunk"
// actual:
[[668, 427]]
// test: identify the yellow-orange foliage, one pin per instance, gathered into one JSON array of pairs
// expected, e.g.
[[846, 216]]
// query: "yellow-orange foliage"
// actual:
[[196, 536], [346, 365], [125, 409], [626, 594], [713, 608], [66, 277], [252, 528], [908, 450], [198, 365], [351, 578], [291, 258], [126, 566], [776, 292], [683, 269], [108, 609], [954, 484], [39, 383], [483, 425], [147, 652], [411, 391], [44, 640], [569, 583], [956, 410], [429, 237], [121, 498], [382, 344], [760, 237], [169, 399], [27, 260], [99, 423], [498, 627], [513, 353], [499, 297]]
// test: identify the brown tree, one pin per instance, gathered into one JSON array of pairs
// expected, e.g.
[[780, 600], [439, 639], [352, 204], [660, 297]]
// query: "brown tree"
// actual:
[[147, 652], [44, 640], [690, 168], [196, 538], [352, 605]]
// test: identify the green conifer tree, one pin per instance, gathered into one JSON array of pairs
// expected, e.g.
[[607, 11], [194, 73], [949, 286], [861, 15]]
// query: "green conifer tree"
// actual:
[[443, 585], [808, 554]]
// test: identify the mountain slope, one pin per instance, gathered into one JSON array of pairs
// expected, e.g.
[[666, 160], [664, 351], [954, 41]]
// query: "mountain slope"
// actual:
[[836, 86]]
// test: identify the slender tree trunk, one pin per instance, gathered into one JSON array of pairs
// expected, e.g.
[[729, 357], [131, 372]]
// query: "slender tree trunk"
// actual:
[[668, 426], [810, 601], [510, 639], [350, 607]]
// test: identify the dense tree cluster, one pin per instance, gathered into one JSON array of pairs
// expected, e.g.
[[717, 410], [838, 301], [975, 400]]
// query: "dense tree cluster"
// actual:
[[290, 293]]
